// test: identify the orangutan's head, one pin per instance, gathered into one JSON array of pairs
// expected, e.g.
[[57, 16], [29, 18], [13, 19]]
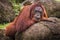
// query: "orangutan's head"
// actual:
[[37, 13]]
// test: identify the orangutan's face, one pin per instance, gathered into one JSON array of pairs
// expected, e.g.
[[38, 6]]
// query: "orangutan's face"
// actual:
[[37, 13]]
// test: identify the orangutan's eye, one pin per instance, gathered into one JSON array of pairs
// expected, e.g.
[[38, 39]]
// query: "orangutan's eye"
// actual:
[[38, 10]]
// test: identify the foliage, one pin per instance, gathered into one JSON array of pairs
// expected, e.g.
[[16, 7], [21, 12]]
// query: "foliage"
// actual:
[[17, 1], [16, 8], [2, 26]]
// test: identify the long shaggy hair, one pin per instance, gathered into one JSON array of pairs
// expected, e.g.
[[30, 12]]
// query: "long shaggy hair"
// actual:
[[24, 20]]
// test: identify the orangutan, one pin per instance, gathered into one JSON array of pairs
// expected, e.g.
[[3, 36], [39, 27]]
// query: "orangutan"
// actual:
[[29, 15]]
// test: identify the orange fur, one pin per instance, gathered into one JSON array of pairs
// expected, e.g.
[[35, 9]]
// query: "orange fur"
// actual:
[[21, 23], [44, 14], [24, 20]]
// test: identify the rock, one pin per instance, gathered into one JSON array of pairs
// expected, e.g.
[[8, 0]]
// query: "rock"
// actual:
[[6, 11], [2, 35], [35, 32], [52, 7], [44, 30]]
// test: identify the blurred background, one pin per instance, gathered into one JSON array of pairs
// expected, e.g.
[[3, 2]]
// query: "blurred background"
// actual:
[[9, 9]]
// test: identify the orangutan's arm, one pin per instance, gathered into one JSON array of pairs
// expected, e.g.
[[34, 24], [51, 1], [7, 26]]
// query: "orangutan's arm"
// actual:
[[44, 15]]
